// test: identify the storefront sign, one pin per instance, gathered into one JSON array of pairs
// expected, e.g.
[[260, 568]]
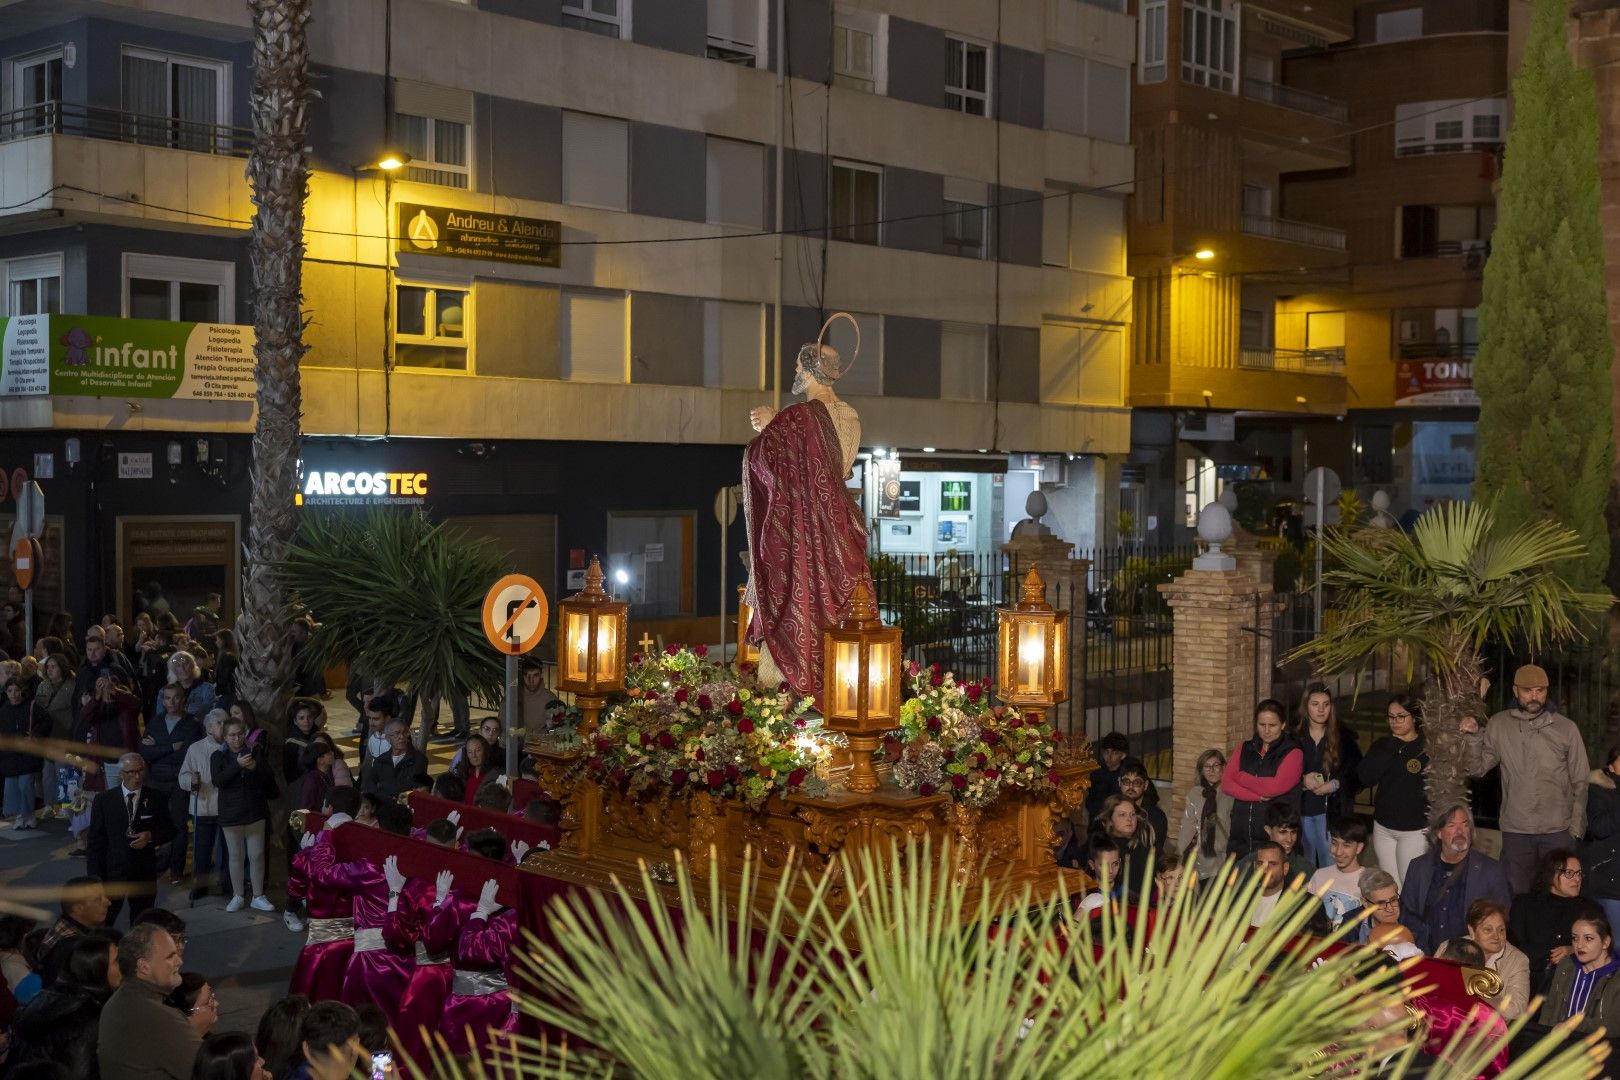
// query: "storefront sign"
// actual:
[[477, 234], [1435, 382], [352, 488], [143, 358], [134, 466]]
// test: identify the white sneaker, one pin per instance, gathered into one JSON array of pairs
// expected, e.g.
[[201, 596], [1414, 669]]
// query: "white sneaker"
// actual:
[[236, 904], [292, 922], [262, 904]]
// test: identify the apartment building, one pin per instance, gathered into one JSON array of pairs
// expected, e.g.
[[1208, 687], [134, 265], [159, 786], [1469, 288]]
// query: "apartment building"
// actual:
[[556, 314]]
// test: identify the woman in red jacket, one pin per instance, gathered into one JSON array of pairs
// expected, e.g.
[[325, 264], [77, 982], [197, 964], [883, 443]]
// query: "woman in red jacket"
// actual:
[[476, 767], [1261, 770]]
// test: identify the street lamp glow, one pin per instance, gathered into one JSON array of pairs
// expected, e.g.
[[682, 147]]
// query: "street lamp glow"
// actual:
[[622, 577], [393, 161], [1204, 253]]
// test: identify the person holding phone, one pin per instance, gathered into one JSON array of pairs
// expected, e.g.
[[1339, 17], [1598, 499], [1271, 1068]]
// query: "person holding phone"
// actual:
[[243, 783]]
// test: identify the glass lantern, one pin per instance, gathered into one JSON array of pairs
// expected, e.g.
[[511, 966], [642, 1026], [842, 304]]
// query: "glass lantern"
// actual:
[[595, 628], [861, 684], [1032, 654], [746, 653]]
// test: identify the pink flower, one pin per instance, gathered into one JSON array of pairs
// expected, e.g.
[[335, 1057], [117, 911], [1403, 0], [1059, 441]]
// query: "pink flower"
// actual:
[[936, 669], [704, 703], [1052, 777], [701, 650], [745, 725], [801, 723], [912, 668], [716, 778], [637, 658], [735, 707], [796, 777], [958, 781], [980, 761], [666, 740], [677, 778]]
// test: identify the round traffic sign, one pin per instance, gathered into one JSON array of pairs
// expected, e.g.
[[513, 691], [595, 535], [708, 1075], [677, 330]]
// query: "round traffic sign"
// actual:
[[515, 614], [726, 503], [26, 557]]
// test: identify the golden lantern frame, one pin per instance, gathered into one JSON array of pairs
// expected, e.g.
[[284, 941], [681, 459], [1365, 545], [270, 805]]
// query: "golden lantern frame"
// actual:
[[861, 684], [746, 653], [1032, 650], [594, 630]]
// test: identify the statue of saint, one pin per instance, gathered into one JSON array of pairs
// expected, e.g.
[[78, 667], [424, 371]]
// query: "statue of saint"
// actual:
[[806, 533]]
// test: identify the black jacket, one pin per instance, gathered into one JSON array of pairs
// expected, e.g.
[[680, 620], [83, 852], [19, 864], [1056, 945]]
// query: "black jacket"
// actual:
[[25, 721], [163, 760], [60, 1026], [1600, 854], [1539, 922], [243, 793], [1342, 802], [386, 780], [85, 681], [106, 842], [1400, 802]]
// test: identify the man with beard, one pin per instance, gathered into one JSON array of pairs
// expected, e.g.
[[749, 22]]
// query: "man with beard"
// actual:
[[1443, 882], [806, 536], [1544, 774]]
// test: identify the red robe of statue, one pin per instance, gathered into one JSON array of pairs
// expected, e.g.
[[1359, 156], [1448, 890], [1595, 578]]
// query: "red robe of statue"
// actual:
[[806, 539]]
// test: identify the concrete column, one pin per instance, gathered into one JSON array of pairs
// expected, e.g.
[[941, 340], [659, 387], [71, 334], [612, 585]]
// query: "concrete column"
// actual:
[[1216, 655]]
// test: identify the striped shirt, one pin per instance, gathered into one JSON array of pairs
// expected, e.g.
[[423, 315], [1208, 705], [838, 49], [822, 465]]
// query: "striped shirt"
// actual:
[[1580, 991]]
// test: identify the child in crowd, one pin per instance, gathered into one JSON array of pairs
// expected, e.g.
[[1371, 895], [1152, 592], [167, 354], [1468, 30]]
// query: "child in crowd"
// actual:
[[1339, 885], [1282, 827], [1103, 864]]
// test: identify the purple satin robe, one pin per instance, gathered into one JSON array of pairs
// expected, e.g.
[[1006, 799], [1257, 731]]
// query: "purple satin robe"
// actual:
[[485, 945], [422, 1004], [377, 975], [318, 974]]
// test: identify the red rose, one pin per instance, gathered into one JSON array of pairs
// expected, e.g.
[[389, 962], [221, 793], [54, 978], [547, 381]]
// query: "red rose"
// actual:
[[680, 696], [801, 723], [701, 650], [1015, 721], [933, 724], [603, 745], [704, 703], [936, 669], [795, 778], [991, 738], [715, 778], [732, 772], [991, 774], [666, 740], [979, 761], [1052, 777], [735, 707], [958, 781], [974, 692], [1057, 736], [637, 658], [618, 774], [699, 755], [593, 762], [677, 778], [646, 739], [747, 666], [652, 695], [745, 725], [672, 648], [937, 679], [925, 789]]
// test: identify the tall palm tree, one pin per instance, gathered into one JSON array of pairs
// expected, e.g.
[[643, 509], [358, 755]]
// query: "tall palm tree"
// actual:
[[278, 171], [1442, 591]]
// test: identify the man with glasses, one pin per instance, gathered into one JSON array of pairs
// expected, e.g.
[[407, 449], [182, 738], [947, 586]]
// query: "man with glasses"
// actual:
[[1382, 896], [128, 824], [389, 774], [1442, 883], [1135, 786]]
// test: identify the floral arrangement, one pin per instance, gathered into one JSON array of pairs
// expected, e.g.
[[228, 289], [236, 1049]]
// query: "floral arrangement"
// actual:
[[954, 741], [691, 724]]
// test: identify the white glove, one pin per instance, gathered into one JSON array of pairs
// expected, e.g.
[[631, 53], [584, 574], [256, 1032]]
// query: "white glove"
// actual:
[[396, 881], [487, 904], [441, 887], [459, 831], [454, 818], [505, 781], [519, 849], [307, 842]]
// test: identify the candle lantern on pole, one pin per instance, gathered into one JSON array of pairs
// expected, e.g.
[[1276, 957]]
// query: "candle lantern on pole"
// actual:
[[861, 684], [595, 627], [1032, 653], [746, 653]]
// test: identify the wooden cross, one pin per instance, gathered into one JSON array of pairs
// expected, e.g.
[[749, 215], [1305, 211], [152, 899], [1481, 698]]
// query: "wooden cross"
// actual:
[[646, 642]]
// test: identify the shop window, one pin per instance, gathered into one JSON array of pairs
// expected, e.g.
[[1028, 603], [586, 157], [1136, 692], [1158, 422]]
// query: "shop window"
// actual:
[[431, 327], [857, 203], [31, 285], [595, 334], [609, 18], [966, 217], [596, 161], [733, 345], [177, 101], [967, 76], [651, 562], [734, 31], [735, 183], [178, 290]]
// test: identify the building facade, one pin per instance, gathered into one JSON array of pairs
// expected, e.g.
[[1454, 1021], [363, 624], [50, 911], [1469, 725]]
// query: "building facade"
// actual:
[[562, 307]]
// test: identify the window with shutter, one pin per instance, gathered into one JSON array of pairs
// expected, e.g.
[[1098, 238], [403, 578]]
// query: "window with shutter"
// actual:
[[596, 161], [594, 337], [735, 183], [735, 31], [733, 345]]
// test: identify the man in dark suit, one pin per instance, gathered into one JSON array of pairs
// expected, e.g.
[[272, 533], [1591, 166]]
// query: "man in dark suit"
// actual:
[[127, 826]]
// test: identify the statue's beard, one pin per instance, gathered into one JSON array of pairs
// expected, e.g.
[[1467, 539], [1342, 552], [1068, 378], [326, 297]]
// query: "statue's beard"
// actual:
[[799, 377]]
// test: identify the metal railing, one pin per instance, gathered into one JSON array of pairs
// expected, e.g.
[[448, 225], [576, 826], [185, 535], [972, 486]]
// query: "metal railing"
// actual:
[[1290, 97], [1294, 232], [1434, 350], [64, 118], [1306, 361], [1447, 146]]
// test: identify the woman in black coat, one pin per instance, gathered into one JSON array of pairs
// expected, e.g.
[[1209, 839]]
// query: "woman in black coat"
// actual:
[[1539, 921], [21, 719], [1600, 854], [242, 775], [57, 1032]]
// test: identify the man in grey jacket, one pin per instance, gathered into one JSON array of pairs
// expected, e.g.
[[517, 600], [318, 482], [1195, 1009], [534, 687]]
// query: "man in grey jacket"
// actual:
[[140, 1036], [1544, 775]]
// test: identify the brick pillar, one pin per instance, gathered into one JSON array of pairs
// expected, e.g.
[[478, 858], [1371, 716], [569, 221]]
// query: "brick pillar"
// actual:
[[1065, 579], [1216, 654]]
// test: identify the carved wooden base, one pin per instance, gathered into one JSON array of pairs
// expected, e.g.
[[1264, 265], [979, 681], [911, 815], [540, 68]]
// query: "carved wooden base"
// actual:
[[1011, 843]]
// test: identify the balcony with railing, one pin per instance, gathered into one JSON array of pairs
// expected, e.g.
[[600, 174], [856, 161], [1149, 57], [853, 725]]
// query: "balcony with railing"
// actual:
[[65, 118], [1290, 97], [1294, 232], [1438, 350], [1300, 361]]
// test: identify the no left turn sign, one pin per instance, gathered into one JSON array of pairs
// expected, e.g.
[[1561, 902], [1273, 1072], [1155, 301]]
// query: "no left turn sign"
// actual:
[[515, 614]]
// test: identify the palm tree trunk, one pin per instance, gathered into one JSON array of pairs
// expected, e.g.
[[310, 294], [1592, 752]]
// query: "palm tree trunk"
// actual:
[[1448, 698], [278, 171]]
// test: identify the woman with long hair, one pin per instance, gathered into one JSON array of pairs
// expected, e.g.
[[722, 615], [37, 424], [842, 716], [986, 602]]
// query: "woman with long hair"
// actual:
[[1583, 980], [476, 767], [305, 719], [1263, 769], [1201, 840], [1395, 767], [277, 1036], [54, 693], [1328, 786], [229, 1055], [1123, 822]]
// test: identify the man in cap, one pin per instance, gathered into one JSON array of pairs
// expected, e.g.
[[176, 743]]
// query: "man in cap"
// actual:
[[1544, 773]]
